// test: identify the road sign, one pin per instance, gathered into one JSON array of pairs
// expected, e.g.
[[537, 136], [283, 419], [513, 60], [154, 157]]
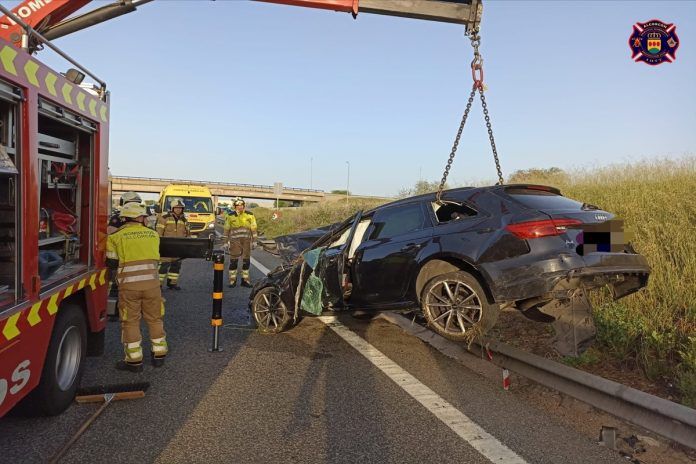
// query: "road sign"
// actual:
[[278, 189], [275, 216]]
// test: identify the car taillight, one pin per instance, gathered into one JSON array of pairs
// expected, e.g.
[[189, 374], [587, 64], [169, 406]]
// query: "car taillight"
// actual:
[[536, 229]]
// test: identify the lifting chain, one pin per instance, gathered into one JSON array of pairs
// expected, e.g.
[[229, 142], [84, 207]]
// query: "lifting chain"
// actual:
[[477, 76]]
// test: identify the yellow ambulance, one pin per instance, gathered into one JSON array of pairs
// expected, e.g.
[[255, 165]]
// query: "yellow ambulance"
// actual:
[[199, 207]]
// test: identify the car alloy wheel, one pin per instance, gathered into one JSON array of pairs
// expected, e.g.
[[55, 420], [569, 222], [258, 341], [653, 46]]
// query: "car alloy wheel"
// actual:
[[455, 306], [270, 313]]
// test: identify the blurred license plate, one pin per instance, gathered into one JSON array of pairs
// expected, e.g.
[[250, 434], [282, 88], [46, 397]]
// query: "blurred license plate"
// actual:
[[607, 237]]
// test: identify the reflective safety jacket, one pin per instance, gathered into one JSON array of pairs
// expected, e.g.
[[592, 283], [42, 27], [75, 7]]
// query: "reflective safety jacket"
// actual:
[[169, 225], [137, 250], [240, 225]]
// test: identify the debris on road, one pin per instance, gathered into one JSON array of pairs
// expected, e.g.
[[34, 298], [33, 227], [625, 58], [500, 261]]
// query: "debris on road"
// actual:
[[117, 393]]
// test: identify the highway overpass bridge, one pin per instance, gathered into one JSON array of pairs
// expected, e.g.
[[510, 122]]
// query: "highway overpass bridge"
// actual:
[[297, 196]]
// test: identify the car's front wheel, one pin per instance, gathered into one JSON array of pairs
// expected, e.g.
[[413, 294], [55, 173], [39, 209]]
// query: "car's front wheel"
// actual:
[[270, 313], [455, 306]]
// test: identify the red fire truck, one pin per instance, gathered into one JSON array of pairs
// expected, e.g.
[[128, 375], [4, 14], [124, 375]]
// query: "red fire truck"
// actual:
[[54, 193], [53, 212]]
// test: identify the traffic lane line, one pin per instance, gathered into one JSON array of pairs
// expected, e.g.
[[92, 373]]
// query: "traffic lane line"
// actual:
[[527, 420], [315, 400], [457, 421], [264, 270]]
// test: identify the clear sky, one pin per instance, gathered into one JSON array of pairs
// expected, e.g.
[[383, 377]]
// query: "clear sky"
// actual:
[[259, 93]]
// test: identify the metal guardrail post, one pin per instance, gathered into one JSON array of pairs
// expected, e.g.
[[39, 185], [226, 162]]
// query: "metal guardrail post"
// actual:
[[216, 319]]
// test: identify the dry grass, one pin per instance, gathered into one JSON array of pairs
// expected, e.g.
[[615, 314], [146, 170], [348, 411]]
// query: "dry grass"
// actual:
[[309, 217]]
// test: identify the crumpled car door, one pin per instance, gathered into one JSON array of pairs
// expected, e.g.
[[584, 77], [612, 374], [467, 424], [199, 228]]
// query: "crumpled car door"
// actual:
[[333, 269], [323, 272]]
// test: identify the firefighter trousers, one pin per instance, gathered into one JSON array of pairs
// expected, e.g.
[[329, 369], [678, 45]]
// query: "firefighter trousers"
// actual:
[[240, 248], [170, 270], [136, 304]]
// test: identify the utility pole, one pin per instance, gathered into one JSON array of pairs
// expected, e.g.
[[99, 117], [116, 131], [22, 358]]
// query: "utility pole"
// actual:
[[311, 162], [348, 182]]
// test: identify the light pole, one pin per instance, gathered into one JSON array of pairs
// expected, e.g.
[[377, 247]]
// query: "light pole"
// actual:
[[348, 182]]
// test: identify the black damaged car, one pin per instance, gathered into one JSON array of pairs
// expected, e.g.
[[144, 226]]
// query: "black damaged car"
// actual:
[[461, 260]]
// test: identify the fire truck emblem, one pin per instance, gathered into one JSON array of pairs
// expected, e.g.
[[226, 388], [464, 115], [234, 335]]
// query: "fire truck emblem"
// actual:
[[654, 42]]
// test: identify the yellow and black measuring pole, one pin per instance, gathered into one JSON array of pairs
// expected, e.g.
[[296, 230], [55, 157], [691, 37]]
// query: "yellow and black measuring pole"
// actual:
[[216, 320]]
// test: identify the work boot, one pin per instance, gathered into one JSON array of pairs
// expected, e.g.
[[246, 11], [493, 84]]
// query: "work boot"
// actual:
[[173, 287], [246, 283], [130, 367], [233, 283], [157, 361]]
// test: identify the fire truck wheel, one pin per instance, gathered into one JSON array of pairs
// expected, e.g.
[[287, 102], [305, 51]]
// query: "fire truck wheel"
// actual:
[[64, 364]]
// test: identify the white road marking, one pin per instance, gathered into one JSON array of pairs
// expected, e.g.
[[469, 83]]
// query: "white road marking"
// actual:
[[260, 266], [458, 422], [471, 432]]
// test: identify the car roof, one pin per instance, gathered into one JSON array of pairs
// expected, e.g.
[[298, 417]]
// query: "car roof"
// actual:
[[430, 196]]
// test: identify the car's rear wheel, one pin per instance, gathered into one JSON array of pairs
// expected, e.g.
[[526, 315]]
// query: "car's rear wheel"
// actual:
[[270, 313], [455, 306]]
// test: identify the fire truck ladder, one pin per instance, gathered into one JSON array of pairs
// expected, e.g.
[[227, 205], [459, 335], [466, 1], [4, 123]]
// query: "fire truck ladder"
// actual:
[[31, 34]]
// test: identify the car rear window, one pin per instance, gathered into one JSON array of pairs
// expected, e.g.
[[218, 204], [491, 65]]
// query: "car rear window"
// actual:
[[543, 200]]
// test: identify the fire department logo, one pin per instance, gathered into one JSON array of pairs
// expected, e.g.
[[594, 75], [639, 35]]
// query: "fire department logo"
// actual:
[[654, 42]]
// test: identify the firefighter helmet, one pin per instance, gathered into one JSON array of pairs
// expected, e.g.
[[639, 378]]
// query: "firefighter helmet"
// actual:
[[130, 197], [176, 203], [238, 201], [133, 210]]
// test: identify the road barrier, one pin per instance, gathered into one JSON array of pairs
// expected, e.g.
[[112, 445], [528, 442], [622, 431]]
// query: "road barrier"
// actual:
[[216, 319]]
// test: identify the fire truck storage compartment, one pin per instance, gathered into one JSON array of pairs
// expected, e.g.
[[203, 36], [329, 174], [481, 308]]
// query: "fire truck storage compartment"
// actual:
[[65, 155], [9, 196]]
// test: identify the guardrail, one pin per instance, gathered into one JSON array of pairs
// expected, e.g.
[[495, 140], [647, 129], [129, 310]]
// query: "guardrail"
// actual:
[[666, 418], [203, 182]]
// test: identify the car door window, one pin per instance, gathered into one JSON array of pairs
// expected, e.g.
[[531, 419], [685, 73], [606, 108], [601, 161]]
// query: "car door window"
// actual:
[[341, 239], [398, 220], [358, 237], [449, 211]]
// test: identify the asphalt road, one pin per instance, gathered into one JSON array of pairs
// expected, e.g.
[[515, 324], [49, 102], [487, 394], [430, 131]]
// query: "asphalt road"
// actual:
[[302, 396]]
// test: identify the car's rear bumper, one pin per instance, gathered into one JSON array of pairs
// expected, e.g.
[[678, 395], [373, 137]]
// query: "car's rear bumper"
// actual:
[[522, 278]]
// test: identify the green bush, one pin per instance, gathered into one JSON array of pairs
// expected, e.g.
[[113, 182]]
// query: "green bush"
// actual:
[[588, 358], [686, 374]]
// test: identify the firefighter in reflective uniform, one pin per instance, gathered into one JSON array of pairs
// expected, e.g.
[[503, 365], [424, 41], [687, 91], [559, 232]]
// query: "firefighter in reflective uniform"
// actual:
[[115, 223], [172, 224], [134, 250], [240, 230]]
